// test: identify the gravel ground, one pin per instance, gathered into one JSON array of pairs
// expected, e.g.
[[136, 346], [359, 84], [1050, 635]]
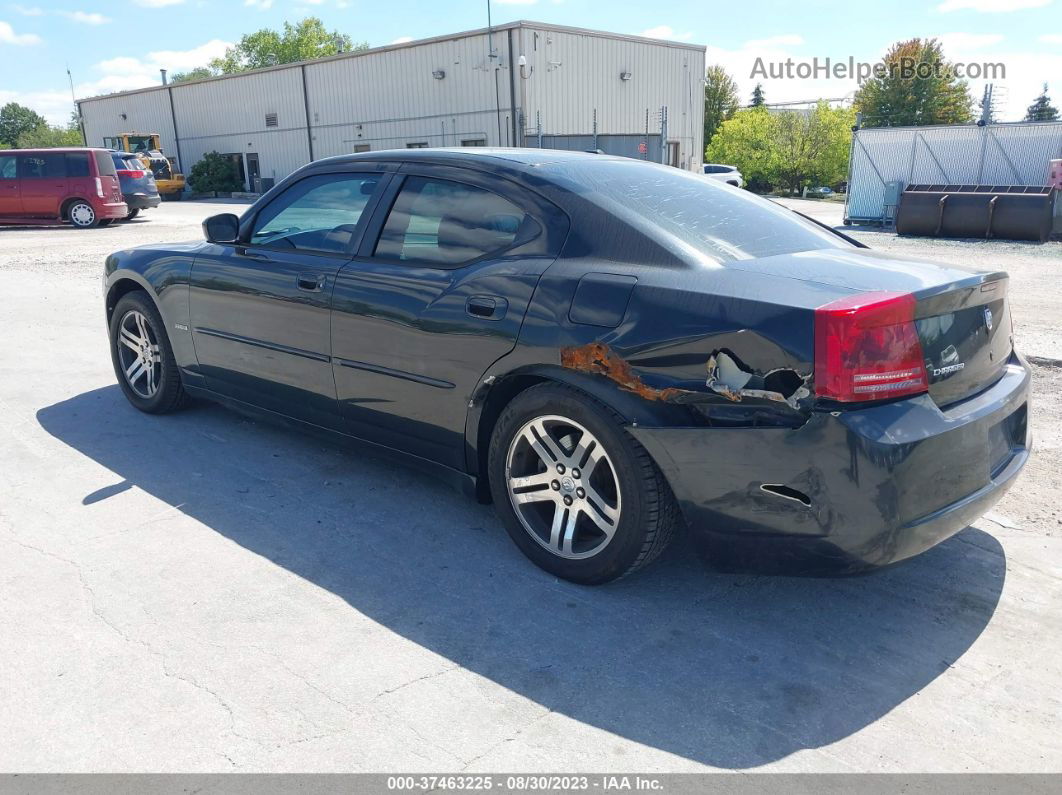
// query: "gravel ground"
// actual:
[[200, 592]]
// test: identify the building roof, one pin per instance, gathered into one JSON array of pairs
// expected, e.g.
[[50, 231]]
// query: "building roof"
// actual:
[[522, 23]]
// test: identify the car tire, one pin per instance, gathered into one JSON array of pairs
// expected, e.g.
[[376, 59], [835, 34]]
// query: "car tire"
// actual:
[[138, 337], [132, 214], [625, 516], [82, 215]]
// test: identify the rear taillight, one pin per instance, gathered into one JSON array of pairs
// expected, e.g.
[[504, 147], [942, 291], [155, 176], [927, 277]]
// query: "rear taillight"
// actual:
[[867, 348], [99, 187], [125, 172]]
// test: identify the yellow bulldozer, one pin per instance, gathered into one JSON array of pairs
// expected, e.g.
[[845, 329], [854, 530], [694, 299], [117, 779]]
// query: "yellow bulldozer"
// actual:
[[148, 147]]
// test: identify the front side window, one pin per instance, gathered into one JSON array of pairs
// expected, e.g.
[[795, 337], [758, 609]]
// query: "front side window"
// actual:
[[438, 222], [8, 167], [316, 214], [43, 166]]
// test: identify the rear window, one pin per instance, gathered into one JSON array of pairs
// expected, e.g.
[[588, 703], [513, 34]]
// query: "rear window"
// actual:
[[714, 219], [104, 164]]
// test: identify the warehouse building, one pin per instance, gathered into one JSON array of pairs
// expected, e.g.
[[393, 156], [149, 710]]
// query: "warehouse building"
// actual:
[[520, 84]]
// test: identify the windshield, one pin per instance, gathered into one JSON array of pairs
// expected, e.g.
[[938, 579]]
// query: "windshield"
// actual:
[[717, 220]]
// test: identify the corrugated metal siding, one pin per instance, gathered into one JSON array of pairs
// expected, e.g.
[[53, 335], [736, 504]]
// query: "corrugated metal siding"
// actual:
[[145, 113], [574, 74], [389, 99], [1004, 154]]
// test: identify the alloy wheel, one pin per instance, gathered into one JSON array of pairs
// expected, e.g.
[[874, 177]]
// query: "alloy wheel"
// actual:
[[563, 487], [139, 354]]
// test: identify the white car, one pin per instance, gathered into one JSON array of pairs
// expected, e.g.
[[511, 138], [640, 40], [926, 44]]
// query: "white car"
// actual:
[[728, 174]]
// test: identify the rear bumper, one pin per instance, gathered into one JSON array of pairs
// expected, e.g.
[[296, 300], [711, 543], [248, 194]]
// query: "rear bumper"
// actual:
[[111, 209], [141, 201], [883, 483]]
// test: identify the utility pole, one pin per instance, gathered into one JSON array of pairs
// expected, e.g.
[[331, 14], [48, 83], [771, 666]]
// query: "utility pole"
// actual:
[[77, 108]]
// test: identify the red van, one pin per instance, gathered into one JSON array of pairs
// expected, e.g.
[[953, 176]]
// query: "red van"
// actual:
[[45, 186]]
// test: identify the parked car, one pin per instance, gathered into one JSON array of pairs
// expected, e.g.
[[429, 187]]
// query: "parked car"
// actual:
[[728, 174], [602, 346], [819, 192], [138, 183], [42, 186]]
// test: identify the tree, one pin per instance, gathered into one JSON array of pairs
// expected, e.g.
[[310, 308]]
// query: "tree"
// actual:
[[1042, 109], [757, 97], [916, 86], [214, 172], [791, 148], [720, 99], [198, 73], [303, 41], [746, 141], [48, 137], [17, 119]]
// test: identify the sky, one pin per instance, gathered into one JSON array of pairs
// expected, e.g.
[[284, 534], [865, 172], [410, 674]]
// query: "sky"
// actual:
[[113, 47]]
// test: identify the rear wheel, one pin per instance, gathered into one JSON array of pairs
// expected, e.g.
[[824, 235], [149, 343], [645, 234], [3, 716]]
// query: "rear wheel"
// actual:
[[132, 214], [82, 215], [142, 356], [579, 496]]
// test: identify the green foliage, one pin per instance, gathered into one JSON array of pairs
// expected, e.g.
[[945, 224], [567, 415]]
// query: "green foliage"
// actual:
[[790, 149], [901, 96], [214, 173], [198, 73], [757, 96], [1042, 109], [15, 120], [303, 41], [49, 137], [720, 99]]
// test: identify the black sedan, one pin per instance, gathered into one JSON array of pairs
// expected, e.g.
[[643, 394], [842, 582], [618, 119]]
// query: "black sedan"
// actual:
[[605, 348]]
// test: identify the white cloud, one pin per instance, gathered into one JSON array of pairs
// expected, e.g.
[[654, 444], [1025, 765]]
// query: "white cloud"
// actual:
[[55, 106], [1052, 38], [967, 41], [28, 12], [666, 32], [261, 5], [8, 36], [158, 3], [85, 18], [990, 6], [402, 39]]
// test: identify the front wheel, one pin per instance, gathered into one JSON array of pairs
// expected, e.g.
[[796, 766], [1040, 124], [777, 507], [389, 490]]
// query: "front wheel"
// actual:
[[142, 356], [578, 495], [82, 215]]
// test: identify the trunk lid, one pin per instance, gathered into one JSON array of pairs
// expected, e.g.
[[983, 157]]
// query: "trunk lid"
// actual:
[[962, 316]]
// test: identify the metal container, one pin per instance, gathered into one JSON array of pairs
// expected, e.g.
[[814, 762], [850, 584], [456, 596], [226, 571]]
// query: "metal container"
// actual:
[[1009, 212]]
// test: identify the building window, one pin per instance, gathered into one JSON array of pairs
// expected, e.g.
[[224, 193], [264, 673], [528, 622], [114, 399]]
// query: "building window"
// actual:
[[271, 120], [473, 142], [362, 148], [417, 145]]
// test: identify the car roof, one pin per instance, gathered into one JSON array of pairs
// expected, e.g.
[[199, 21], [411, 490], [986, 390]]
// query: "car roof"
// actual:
[[53, 149], [480, 155]]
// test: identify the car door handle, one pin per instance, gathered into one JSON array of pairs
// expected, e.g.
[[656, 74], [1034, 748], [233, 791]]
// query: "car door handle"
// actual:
[[251, 254], [488, 307], [311, 282]]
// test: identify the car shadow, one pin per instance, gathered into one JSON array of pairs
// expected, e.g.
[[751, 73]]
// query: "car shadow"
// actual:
[[731, 671]]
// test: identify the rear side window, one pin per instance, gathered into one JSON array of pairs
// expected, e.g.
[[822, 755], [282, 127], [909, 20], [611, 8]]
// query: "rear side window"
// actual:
[[77, 164], [104, 164], [438, 222], [46, 165], [713, 219], [8, 167]]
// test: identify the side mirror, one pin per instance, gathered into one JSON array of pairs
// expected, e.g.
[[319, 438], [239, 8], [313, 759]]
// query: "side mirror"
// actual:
[[223, 228]]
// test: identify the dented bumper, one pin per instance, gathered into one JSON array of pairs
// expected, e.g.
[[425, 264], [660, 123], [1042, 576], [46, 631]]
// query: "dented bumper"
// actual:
[[847, 491]]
